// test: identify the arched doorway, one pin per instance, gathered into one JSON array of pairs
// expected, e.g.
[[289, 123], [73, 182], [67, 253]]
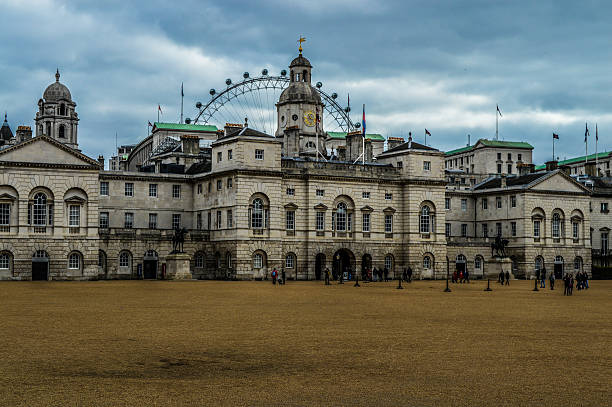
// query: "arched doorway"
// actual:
[[460, 263], [40, 266], [319, 265], [149, 265], [366, 264], [558, 267], [344, 262]]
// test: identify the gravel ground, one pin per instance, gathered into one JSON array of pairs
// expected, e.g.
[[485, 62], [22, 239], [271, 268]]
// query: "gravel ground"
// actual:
[[156, 343]]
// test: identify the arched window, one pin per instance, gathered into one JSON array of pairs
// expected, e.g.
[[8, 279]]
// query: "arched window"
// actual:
[[426, 262], [199, 260], [228, 258], [257, 260], [290, 261], [40, 209], [389, 262], [577, 264], [425, 219], [62, 131], [257, 214], [556, 226], [539, 263], [74, 261], [341, 217], [5, 261], [125, 260], [62, 110], [101, 259], [478, 263], [305, 75]]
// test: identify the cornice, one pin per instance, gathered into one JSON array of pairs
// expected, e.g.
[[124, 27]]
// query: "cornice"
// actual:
[[49, 165]]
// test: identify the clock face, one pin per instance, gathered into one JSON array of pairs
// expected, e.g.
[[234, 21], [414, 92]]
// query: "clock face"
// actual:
[[294, 117], [309, 118]]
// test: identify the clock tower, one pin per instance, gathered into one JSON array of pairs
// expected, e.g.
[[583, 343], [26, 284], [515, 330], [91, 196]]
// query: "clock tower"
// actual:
[[300, 113]]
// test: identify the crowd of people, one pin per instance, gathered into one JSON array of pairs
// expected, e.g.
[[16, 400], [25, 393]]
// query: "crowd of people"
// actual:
[[460, 276]]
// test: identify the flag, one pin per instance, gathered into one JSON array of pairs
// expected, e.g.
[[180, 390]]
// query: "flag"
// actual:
[[363, 123], [150, 125], [348, 99], [159, 109], [596, 133], [499, 111], [555, 136], [586, 132], [182, 93], [427, 133]]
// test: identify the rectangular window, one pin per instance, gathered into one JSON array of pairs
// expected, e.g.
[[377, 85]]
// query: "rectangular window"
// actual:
[[199, 188], [485, 203], [209, 187], [365, 194], [604, 207], [447, 229], [509, 156], [153, 190], [129, 189], [509, 168], [498, 202], [447, 203], [464, 204], [485, 230], [218, 220], [499, 167], [388, 196], [199, 221], [290, 220], [513, 201], [176, 191], [604, 242], [259, 154], [230, 219], [5, 214], [498, 229], [129, 220], [520, 157], [320, 221], [152, 221], [229, 154], [291, 191], [176, 221], [400, 164], [103, 188], [320, 192], [74, 216], [499, 156], [365, 222], [513, 227], [463, 230], [208, 220], [219, 185], [575, 230], [388, 223], [536, 228], [103, 220], [426, 165], [230, 183], [219, 156]]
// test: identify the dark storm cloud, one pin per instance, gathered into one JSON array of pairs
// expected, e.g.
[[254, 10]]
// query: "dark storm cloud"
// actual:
[[440, 65]]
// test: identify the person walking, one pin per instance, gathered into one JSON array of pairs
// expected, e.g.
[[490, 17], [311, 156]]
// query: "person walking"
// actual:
[[571, 284], [543, 278], [501, 277], [552, 281], [283, 276], [409, 274], [566, 285], [466, 275], [507, 278], [274, 276], [327, 276]]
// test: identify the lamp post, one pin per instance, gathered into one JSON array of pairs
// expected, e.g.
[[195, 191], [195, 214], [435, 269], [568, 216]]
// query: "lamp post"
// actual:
[[488, 285], [447, 289]]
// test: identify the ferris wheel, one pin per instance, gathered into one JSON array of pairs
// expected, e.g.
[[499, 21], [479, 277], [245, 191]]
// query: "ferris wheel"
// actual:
[[255, 98]]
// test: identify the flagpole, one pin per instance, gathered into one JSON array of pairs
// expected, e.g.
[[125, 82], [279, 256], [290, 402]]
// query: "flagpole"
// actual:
[[182, 97], [553, 147], [586, 146], [596, 158], [496, 125], [158, 113]]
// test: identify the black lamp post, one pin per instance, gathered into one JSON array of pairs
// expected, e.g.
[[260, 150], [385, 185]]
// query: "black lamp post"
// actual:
[[535, 285], [488, 285], [356, 280], [447, 289], [399, 283]]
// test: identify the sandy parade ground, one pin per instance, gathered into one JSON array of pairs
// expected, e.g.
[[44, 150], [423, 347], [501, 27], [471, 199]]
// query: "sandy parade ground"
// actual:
[[141, 343]]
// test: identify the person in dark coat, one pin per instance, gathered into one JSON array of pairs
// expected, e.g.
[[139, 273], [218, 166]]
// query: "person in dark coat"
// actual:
[[551, 281], [501, 277], [283, 276], [507, 278], [327, 276], [543, 278], [386, 272], [409, 274]]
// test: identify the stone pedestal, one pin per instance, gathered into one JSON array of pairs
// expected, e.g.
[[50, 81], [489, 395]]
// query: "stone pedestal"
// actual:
[[177, 267], [497, 264]]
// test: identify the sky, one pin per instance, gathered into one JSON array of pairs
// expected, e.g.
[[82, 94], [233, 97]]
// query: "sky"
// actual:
[[440, 65]]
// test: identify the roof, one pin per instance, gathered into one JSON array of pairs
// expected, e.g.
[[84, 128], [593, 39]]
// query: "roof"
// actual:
[[300, 61], [575, 160], [410, 145], [184, 127], [57, 90], [5, 131], [510, 181], [342, 136], [245, 131], [492, 143]]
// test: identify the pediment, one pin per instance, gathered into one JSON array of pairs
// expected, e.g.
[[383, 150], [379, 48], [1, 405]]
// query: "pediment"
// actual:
[[320, 207], [7, 197], [557, 182], [76, 199], [43, 150], [291, 206], [389, 210], [367, 208]]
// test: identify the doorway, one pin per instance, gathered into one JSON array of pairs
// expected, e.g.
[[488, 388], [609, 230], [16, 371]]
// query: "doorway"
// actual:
[[319, 265], [40, 266], [366, 264], [149, 265], [343, 263]]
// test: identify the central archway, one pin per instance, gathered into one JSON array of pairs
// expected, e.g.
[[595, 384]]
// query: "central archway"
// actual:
[[40, 266], [319, 265], [366, 264], [344, 262]]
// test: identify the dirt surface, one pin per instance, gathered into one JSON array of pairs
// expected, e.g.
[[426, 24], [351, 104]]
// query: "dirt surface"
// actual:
[[157, 343]]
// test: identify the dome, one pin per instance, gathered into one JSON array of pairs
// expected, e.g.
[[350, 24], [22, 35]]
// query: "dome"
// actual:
[[5, 131], [300, 92], [56, 90], [300, 61]]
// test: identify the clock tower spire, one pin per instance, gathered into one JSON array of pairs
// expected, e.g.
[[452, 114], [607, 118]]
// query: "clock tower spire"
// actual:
[[300, 112]]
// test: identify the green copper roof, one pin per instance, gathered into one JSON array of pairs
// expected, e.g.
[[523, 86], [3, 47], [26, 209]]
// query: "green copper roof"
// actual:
[[184, 127], [575, 160], [341, 135], [492, 143]]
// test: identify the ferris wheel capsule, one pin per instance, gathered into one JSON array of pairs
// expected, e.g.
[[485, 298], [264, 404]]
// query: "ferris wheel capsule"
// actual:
[[347, 109], [284, 72], [198, 105], [319, 85], [212, 92], [264, 72], [245, 75], [187, 120], [357, 125], [334, 95], [228, 81]]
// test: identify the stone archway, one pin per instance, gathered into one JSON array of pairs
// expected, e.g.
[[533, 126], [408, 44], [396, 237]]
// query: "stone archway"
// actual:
[[366, 264], [40, 266], [319, 266], [343, 262]]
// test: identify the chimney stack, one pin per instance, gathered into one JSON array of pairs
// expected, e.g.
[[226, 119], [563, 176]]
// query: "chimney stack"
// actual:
[[551, 165], [101, 161]]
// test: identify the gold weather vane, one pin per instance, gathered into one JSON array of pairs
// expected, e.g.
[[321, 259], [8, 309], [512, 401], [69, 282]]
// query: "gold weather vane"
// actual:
[[301, 40]]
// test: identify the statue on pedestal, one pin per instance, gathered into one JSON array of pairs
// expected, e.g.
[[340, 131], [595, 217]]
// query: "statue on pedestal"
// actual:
[[178, 239], [499, 246]]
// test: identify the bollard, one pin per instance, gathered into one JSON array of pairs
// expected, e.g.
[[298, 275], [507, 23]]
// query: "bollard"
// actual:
[[488, 285], [399, 284], [535, 285], [356, 281]]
